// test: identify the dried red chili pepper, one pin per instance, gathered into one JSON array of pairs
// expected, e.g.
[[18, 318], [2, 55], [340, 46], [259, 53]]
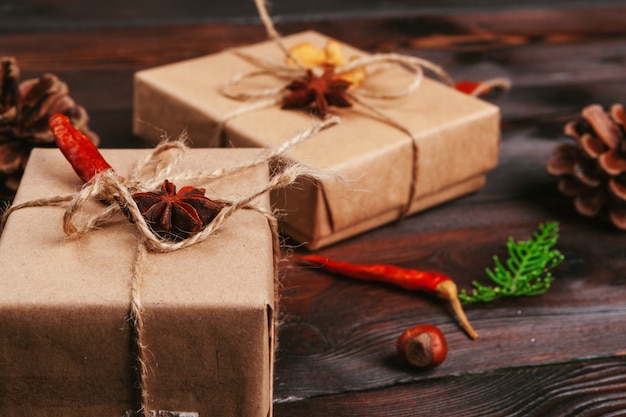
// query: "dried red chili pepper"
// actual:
[[467, 87], [431, 282], [482, 88], [77, 148]]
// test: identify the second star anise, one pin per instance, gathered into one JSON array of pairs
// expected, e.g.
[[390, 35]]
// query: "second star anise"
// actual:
[[177, 215], [317, 93]]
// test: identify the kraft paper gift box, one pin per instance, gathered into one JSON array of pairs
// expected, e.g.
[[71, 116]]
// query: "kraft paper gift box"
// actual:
[[65, 345], [458, 139]]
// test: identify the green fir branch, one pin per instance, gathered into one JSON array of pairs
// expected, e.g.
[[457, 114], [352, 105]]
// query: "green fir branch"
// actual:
[[525, 272]]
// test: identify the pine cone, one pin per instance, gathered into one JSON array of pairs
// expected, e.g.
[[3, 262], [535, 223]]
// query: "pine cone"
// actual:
[[593, 170], [25, 108]]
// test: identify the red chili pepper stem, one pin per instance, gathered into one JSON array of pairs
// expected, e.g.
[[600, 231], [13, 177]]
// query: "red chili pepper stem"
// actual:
[[81, 153], [431, 282], [448, 290]]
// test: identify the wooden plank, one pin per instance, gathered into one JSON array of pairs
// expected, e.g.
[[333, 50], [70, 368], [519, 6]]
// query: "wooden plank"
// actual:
[[19, 15], [553, 77], [586, 388]]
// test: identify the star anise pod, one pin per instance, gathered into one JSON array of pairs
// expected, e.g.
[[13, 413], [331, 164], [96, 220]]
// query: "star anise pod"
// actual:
[[25, 108], [177, 216], [317, 93]]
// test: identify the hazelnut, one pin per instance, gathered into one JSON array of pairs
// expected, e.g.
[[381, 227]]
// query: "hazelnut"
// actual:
[[423, 346]]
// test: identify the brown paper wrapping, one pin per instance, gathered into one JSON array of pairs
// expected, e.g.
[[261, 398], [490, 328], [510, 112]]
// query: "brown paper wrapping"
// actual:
[[458, 139], [65, 348]]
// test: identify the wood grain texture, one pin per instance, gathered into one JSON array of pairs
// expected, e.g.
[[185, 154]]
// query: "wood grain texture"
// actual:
[[560, 354], [351, 327], [587, 388], [38, 15], [558, 61]]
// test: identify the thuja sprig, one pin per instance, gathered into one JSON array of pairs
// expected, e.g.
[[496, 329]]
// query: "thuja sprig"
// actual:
[[525, 272]]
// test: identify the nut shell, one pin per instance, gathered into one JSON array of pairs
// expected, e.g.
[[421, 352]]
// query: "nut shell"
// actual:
[[423, 346]]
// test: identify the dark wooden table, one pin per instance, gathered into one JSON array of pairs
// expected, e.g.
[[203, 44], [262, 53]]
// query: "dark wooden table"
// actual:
[[559, 354]]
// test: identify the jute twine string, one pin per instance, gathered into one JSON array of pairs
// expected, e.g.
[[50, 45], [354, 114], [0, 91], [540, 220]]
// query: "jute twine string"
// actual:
[[271, 96], [161, 163], [272, 33]]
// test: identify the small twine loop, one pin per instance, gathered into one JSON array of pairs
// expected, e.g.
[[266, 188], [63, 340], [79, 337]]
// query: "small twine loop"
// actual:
[[160, 164]]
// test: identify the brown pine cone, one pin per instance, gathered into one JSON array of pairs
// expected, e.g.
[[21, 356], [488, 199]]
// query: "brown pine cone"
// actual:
[[25, 108], [593, 169]]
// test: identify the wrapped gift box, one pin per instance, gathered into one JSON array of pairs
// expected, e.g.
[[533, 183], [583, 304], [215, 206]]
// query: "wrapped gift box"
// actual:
[[65, 345], [458, 139]]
